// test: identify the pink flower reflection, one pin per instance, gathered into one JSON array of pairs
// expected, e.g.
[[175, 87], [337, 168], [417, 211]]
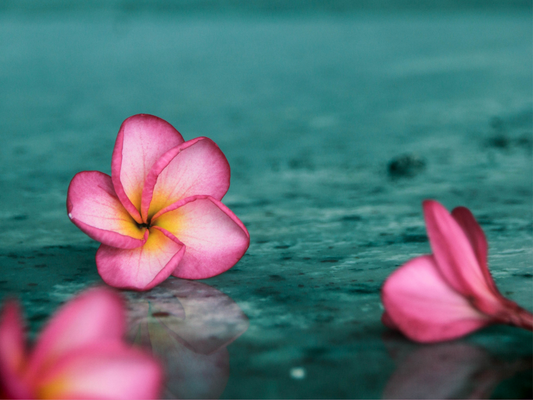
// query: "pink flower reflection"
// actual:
[[447, 370], [188, 325], [449, 293], [80, 354]]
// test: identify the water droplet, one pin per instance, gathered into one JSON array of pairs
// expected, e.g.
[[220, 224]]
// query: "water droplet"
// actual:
[[297, 373]]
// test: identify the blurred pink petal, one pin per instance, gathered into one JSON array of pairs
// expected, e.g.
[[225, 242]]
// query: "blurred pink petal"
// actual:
[[12, 346], [215, 239], [450, 293], [72, 328], [423, 307], [93, 206], [12, 352], [144, 267], [81, 353], [141, 140], [104, 370]]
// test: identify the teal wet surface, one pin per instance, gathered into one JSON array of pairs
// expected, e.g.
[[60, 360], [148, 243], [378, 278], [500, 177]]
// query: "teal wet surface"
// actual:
[[311, 108]]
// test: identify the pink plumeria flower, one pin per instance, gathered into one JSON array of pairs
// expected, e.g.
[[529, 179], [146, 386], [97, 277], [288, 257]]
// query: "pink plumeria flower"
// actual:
[[80, 354], [449, 293], [159, 213]]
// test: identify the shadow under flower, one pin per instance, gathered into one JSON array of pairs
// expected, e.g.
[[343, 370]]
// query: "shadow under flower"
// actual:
[[446, 370], [187, 324]]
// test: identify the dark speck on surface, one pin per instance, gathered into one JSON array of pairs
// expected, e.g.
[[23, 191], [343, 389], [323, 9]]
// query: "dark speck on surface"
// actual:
[[365, 289], [414, 238], [499, 141], [351, 218], [525, 141], [38, 317], [160, 314], [406, 165], [525, 275], [303, 162], [315, 352]]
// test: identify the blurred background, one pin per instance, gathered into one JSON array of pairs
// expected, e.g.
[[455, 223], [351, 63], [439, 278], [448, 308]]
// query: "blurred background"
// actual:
[[337, 117]]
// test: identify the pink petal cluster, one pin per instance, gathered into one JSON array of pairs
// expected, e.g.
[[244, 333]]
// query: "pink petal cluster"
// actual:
[[81, 354], [449, 293], [159, 213]]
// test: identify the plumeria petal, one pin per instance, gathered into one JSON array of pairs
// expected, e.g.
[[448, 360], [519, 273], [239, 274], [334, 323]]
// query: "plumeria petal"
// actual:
[[477, 239], [12, 352], [141, 140], [107, 370], [12, 348], [508, 311], [192, 168], [518, 316], [419, 301], [144, 267], [456, 259], [93, 206], [94, 316], [214, 237], [388, 322]]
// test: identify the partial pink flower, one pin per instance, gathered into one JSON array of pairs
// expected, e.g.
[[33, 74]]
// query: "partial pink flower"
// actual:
[[81, 354], [159, 213], [449, 293]]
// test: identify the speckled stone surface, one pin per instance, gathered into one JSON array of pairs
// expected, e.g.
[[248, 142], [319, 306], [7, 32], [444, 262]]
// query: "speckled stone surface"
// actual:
[[336, 126]]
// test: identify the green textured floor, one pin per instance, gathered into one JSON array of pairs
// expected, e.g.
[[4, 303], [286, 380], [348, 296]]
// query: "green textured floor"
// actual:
[[336, 126]]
